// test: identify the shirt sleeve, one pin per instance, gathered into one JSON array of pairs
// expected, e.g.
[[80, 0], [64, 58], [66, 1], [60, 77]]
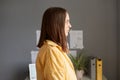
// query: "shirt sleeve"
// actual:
[[54, 66]]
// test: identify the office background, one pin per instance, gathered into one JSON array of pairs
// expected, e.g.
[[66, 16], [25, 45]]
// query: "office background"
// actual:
[[19, 20]]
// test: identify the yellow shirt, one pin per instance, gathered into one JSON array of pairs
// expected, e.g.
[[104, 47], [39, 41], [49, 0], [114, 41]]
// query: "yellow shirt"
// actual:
[[53, 64]]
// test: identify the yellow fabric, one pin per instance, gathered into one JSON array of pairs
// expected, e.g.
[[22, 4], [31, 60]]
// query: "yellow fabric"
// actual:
[[53, 64]]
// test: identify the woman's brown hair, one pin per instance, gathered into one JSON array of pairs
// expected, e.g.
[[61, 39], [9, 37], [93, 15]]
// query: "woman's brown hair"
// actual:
[[53, 24]]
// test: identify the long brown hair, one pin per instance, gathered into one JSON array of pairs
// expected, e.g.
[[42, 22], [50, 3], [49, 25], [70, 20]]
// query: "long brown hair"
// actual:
[[53, 24]]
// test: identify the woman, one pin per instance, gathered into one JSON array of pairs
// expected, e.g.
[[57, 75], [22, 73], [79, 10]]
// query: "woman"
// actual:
[[52, 62]]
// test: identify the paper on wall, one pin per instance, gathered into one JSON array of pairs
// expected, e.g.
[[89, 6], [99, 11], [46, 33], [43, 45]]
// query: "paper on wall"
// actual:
[[32, 72], [33, 56], [73, 53], [37, 36], [76, 39]]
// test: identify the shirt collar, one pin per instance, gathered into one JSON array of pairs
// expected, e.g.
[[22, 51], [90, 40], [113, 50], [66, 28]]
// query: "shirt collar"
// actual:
[[51, 43]]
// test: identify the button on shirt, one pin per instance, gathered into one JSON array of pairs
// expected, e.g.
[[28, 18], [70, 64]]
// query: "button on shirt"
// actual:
[[53, 64]]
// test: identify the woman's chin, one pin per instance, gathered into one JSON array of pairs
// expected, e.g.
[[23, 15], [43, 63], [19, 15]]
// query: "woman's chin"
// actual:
[[66, 34]]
